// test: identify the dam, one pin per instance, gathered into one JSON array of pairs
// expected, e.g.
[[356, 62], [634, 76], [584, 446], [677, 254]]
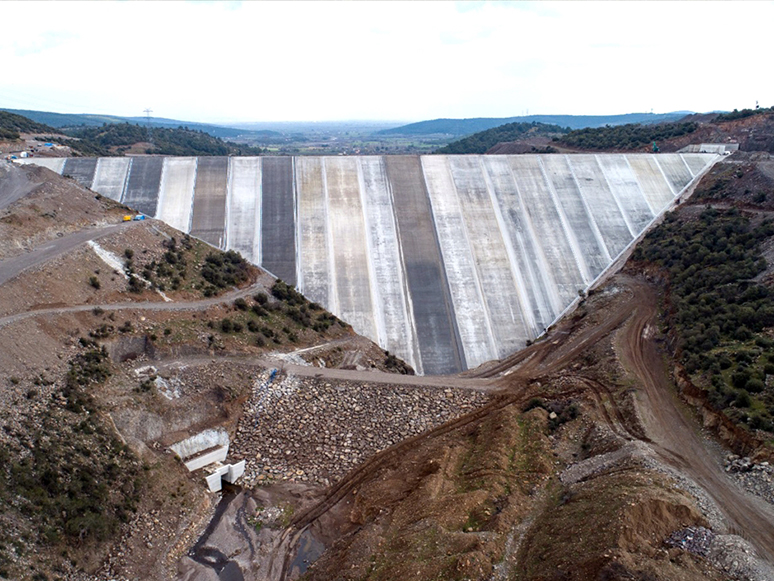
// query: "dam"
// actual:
[[446, 261]]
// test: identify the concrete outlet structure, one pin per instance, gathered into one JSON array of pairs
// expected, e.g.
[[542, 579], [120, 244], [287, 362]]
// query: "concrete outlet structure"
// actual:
[[208, 450]]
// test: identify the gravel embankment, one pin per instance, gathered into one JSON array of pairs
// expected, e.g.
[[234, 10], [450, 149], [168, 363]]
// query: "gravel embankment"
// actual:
[[316, 430], [755, 478]]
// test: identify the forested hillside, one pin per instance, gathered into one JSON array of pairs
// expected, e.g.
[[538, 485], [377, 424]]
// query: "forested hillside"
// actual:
[[116, 138], [62, 121], [463, 127], [484, 140], [11, 125], [624, 137]]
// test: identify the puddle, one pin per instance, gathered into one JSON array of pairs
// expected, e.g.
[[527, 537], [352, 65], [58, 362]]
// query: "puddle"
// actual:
[[213, 558], [309, 550]]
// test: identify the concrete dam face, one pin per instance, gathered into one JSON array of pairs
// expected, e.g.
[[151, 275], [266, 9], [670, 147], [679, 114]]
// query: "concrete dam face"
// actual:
[[446, 261]]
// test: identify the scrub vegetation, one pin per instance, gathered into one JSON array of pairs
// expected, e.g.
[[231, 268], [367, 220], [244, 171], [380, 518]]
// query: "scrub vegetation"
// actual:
[[116, 138], [484, 140], [12, 125], [630, 136], [718, 312], [67, 476], [737, 114]]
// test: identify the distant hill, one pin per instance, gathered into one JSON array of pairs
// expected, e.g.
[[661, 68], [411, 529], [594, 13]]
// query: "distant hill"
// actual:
[[624, 137], [116, 138], [484, 140], [11, 125], [67, 120], [462, 127]]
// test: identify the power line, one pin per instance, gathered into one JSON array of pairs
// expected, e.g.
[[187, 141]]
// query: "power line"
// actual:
[[150, 132]]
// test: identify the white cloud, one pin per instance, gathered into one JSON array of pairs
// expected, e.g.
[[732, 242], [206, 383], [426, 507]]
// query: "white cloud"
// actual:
[[383, 60]]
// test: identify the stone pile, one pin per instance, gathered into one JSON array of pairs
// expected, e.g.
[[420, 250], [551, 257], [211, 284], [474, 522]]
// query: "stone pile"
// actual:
[[696, 540], [757, 478], [315, 430]]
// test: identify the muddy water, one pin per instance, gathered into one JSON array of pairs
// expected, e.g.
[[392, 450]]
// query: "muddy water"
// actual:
[[232, 549], [214, 558], [308, 550]]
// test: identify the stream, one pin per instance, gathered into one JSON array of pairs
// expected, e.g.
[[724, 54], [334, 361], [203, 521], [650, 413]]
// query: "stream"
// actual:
[[232, 548]]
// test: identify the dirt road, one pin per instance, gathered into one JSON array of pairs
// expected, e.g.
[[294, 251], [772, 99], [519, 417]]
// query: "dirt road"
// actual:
[[673, 435], [676, 436], [138, 306], [15, 183], [51, 249]]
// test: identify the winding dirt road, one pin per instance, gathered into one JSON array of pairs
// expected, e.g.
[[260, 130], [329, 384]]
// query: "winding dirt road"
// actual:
[[676, 437], [673, 435]]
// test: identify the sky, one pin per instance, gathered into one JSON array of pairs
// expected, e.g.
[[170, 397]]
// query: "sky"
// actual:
[[398, 61]]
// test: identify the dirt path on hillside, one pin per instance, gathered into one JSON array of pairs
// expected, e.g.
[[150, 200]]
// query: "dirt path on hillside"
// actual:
[[199, 305], [52, 248], [676, 436], [15, 185], [266, 361]]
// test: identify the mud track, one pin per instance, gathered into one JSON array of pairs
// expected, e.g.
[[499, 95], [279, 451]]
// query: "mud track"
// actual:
[[673, 435], [676, 436]]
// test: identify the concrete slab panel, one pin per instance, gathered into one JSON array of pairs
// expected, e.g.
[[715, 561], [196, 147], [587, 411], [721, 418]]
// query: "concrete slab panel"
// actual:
[[503, 309], [623, 183], [551, 235], [243, 208], [208, 221], [652, 181], [473, 321], [394, 324], [698, 161], [178, 179], [315, 256], [350, 253], [604, 206], [278, 218], [431, 302], [675, 170], [142, 184], [537, 289], [110, 176], [217, 455], [55, 164], [81, 169], [584, 236]]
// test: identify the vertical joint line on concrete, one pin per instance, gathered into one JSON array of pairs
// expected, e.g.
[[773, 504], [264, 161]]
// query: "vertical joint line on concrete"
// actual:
[[594, 226], [258, 234], [296, 221], [333, 290], [688, 167], [526, 314], [193, 195], [376, 306], [666, 179], [162, 188], [125, 185], [419, 367], [639, 186], [569, 234], [227, 219], [548, 281], [618, 203], [493, 346]]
